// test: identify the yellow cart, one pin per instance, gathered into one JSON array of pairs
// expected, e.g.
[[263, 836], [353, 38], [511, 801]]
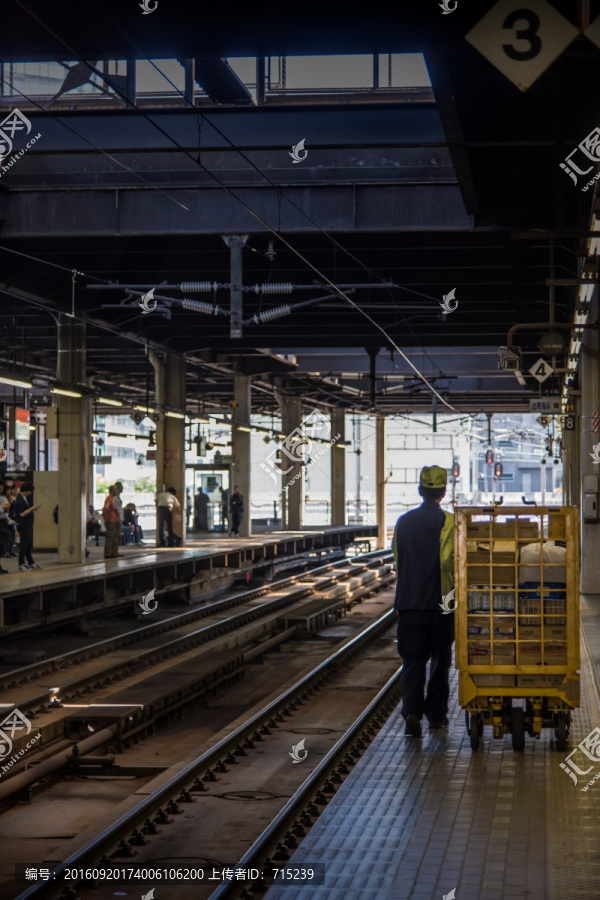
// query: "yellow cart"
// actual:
[[517, 619]]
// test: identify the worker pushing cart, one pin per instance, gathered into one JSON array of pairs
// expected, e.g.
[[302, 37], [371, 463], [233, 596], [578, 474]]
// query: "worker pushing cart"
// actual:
[[424, 552]]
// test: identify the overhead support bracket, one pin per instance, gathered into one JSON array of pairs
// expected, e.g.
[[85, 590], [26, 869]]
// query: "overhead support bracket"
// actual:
[[235, 242]]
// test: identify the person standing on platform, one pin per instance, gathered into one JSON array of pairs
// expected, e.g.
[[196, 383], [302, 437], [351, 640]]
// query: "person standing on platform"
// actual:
[[118, 504], [236, 506], [167, 505], [201, 511], [24, 511], [5, 536], [424, 552], [224, 508], [112, 524]]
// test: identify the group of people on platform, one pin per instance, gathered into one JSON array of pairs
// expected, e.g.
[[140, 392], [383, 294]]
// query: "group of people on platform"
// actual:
[[232, 510], [120, 522], [17, 516]]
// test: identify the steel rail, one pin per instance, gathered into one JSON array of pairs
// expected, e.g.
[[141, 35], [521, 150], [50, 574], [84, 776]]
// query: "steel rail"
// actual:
[[57, 663], [178, 645], [188, 779], [312, 790]]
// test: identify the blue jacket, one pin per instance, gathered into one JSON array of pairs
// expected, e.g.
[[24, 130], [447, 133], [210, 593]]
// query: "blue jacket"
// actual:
[[424, 552]]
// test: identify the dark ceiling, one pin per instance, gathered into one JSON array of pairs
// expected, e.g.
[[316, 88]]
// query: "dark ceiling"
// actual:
[[458, 187]]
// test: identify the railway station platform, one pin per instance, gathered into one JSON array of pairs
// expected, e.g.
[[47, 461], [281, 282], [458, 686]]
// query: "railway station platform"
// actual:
[[62, 592], [422, 819]]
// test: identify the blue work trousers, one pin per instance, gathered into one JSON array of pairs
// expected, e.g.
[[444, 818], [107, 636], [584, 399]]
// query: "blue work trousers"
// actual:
[[425, 635]]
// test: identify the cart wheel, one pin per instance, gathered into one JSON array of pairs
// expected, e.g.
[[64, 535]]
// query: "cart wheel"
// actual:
[[475, 732], [561, 734], [517, 726]]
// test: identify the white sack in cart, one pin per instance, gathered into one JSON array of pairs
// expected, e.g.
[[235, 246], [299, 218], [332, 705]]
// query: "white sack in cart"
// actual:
[[555, 563]]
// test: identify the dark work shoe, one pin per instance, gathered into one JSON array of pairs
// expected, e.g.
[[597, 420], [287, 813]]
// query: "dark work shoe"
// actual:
[[439, 723], [413, 726]]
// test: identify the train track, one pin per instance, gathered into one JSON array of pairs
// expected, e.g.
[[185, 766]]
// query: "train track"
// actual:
[[326, 576], [216, 667], [138, 833]]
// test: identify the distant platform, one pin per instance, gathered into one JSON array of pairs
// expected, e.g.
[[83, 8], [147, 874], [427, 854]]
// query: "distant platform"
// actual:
[[63, 591]]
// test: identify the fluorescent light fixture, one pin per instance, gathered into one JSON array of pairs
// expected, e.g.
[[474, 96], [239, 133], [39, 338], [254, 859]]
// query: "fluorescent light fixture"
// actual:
[[587, 292], [146, 409], [243, 428], [65, 393], [174, 415], [95, 433], [16, 382], [342, 446], [281, 436], [520, 377], [109, 401], [32, 427], [201, 420]]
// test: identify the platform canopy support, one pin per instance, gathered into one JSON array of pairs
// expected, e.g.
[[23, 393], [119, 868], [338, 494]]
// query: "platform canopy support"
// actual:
[[74, 442]]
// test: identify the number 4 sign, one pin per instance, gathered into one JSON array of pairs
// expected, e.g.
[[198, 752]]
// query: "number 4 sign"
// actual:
[[541, 370], [522, 39]]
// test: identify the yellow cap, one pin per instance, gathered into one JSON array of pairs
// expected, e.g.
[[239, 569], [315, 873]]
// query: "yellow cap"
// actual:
[[433, 477]]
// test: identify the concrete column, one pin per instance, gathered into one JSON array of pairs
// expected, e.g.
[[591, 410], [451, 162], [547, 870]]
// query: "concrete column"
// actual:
[[240, 442], [338, 468], [89, 468], [292, 471], [590, 393], [381, 481], [170, 432], [74, 443]]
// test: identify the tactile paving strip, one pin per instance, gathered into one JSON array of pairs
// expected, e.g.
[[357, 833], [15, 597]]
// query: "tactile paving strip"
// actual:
[[573, 819], [419, 818]]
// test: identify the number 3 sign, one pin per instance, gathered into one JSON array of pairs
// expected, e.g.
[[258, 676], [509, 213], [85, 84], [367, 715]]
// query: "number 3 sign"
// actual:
[[522, 39]]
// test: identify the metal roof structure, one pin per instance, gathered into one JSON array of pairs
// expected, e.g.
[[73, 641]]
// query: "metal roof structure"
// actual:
[[418, 192]]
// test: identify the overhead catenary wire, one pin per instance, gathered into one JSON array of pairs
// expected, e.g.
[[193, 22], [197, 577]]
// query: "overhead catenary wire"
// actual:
[[240, 201]]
